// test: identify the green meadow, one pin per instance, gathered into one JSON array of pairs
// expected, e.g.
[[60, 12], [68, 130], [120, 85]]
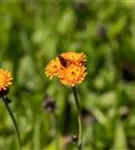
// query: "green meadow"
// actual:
[[35, 31]]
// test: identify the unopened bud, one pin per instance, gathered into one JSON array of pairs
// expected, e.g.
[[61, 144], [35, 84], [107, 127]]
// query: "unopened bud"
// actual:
[[74, 139], [4, 92], [49, 104]]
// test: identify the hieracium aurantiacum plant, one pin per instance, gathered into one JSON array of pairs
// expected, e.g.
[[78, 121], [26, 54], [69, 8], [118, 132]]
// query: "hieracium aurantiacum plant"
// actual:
[[70, 69], [5, 81]]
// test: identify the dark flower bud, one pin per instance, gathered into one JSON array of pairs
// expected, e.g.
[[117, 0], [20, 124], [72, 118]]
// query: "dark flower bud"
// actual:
[[49, 104], [4, 92], [74, 139]]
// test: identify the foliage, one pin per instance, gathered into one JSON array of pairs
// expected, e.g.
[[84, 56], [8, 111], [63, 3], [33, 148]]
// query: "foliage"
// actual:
[[33, 32]]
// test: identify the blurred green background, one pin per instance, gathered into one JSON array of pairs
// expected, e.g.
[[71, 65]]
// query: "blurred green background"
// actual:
[[32, 33]]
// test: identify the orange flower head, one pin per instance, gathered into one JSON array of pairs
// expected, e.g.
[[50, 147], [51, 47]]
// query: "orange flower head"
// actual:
[[72, 75], [53, 68], [69, 67], [5, 79], [74, 57]]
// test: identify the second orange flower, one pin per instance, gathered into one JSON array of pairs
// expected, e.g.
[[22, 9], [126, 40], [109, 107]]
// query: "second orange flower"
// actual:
[[5, 79]]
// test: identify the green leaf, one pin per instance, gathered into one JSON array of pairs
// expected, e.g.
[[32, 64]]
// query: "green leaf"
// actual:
[[36, 136], [67, 21], [120, 142]]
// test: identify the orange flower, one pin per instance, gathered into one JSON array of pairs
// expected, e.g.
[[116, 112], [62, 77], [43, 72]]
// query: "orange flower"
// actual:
[[53, 68], [74, 57], [69, 67], [72, 75], [5, 79]]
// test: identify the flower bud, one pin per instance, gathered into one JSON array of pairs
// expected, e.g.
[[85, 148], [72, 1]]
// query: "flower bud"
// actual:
[[4, 92], [49, 104], [74, 139]]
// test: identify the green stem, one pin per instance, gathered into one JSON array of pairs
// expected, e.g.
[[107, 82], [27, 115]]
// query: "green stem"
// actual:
[[13, 120], [56, 129], [79, 119]]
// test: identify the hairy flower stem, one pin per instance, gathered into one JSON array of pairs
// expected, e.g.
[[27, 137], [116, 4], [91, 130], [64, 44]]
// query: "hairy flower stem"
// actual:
[[79, 145], [56, 130], [13, 120]]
